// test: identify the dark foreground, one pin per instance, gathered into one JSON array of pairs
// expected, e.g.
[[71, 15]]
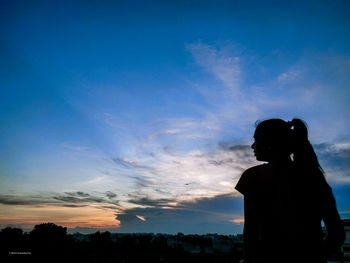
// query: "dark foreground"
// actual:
[[51, 243]]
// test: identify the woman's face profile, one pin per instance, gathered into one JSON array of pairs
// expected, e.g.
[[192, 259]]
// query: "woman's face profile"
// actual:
[[262, 150]]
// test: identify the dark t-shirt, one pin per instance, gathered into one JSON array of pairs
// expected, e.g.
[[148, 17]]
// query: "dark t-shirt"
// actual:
[[283, 209]]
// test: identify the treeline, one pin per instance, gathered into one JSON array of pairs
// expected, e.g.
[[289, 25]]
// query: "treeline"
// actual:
[[50, 243]]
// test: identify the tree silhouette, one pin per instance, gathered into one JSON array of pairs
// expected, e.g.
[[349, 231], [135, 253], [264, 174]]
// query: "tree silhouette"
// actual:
[[11, 240], [48, 240]]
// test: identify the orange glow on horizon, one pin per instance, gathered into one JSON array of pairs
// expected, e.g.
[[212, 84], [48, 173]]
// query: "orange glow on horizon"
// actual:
[[28, 216], [238, 220]]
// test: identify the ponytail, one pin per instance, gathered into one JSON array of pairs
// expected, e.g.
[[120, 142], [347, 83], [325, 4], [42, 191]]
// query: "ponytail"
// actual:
[[303, 152]]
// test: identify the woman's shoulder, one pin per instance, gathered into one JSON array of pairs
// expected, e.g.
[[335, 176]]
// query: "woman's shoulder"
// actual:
[[248, 178], [261, 168]]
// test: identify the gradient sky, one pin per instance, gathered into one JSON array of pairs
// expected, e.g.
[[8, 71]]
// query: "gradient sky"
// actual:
[[138, 116]]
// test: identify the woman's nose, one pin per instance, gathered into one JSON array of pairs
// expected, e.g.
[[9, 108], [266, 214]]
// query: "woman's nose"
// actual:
[[253, 146]]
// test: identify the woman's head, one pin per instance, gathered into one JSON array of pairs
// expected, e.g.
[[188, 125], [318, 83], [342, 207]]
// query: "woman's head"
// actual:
[[276, 139], [272, 140]]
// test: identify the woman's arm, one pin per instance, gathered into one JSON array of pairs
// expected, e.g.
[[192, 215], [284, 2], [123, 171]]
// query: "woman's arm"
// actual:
[[335, 229]]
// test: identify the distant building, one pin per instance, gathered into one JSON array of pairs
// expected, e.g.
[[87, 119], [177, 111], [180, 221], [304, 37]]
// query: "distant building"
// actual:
[[80, 237], [346, 245], [223, 245], [239, 238]]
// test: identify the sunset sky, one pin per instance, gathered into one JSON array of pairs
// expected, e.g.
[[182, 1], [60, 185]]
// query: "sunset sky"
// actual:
[[138, 116]]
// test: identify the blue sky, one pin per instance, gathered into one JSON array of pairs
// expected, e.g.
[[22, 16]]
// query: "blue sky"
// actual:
[[112, 111]]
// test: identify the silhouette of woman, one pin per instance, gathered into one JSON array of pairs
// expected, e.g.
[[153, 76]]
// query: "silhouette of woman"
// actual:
[[286, 199]]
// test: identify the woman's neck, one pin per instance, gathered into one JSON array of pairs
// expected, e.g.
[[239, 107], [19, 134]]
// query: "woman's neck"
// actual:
[[280, 161]]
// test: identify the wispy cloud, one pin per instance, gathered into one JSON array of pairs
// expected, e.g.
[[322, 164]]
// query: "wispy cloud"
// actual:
[[297, 90], [187, 175], [238, 220], [111, 195], [67, 199], [25, 200], [79, 194], [221, 63], [335, 160], [202, 215], [142, 218], [147, 202], [76, 148]]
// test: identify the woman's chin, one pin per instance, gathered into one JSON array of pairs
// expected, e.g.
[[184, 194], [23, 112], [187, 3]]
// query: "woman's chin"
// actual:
[[260, 158]]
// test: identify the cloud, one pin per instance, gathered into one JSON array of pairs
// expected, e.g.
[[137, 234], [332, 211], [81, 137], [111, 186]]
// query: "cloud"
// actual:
[[67, 199], [220, 63], [72, 199], [334, 158], [144, 201], [314, 87], [202, 215], [127, 163], [25, 200], [208, 196], [142, 218], [171, 176], [79, 194], [238, 220], [111, 195], [289, 76], [188, 129], [75, 147], [71, 205], [103, 180], [234, 105], [230, 111]]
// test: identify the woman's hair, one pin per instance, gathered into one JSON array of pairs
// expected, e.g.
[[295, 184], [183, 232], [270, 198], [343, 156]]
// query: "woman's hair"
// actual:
[[289, 138]]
